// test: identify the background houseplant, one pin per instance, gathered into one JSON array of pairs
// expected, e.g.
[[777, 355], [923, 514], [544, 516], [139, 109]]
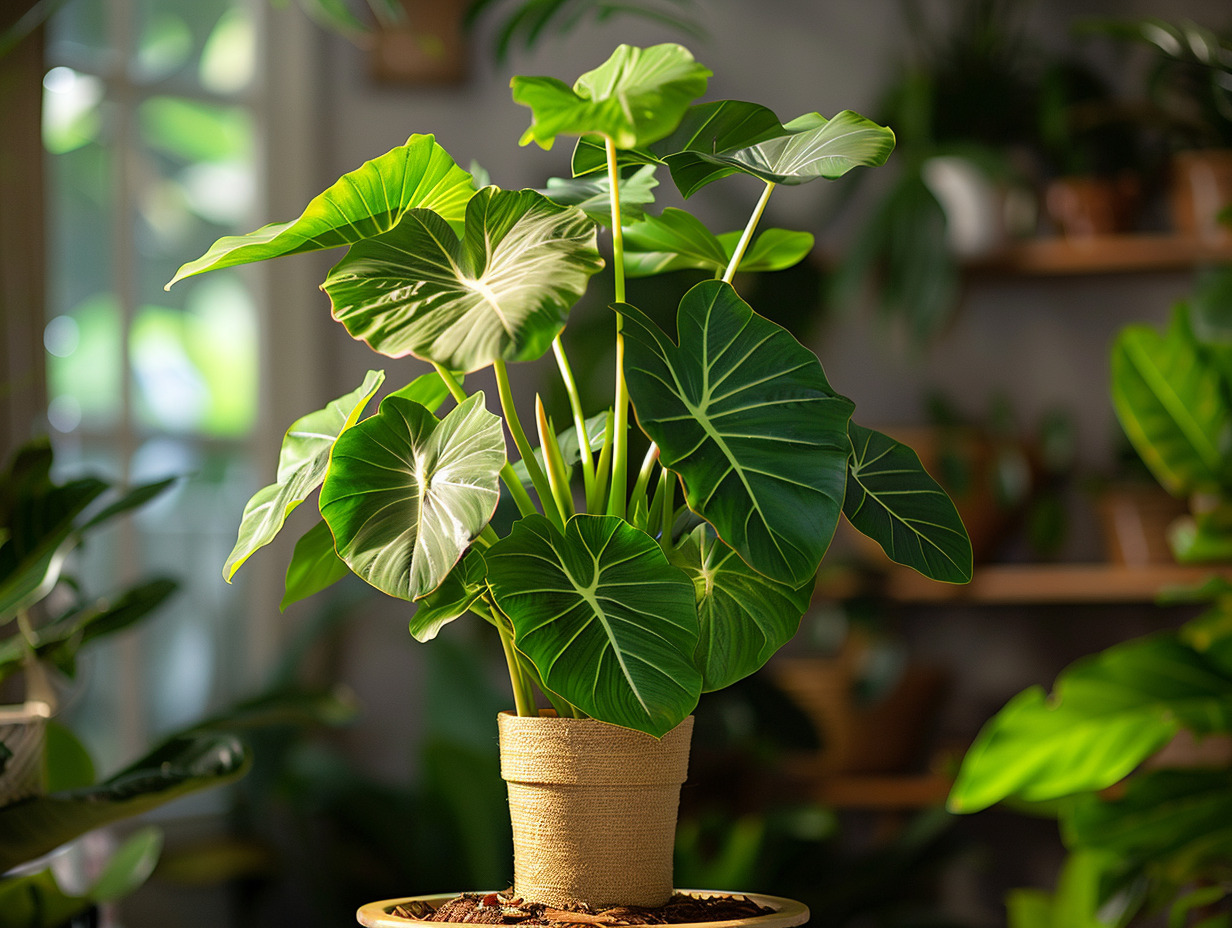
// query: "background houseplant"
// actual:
[[613, 599]]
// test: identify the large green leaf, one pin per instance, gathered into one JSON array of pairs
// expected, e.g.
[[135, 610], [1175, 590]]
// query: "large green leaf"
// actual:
[[456, 594], [677, 240], [1107, 714], [634, 98], [407, 493], [1170, 405], [593, 195], [744, 414], [724, 137], [745, 617], [608, 622], [892, 499], [502, 292], [302, 464], [366, 202], [33, 827]]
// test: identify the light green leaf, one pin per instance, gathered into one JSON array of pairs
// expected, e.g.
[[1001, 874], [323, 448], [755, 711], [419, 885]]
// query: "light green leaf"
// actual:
[[744, 414], [130, 866], [362, 204], [593, 196], [892, 499], [745, 617], [502, 292], [406, 494], [772, 250], [69, 765], [302, 464], [1170, 405], [1107, 714], [634, 98], [676, 240], [314, 566], [456, 594], [608, 623]]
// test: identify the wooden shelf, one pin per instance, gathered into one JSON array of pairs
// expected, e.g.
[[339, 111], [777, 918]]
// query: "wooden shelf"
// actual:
[[1112, 254], [1050, 583]]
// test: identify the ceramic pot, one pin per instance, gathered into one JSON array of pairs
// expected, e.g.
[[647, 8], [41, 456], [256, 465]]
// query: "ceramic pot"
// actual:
[[787, 912], [593, 808], [22, 730], [1087, 207], [1201, 188]]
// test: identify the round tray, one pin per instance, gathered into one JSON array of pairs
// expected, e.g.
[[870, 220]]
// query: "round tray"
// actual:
[[787, 912]]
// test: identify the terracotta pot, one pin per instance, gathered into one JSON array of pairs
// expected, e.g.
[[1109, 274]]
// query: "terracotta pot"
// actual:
[[1086, 207], [1201, 188], [22, 730], [593, 808], [1134, 520], [787, 912]]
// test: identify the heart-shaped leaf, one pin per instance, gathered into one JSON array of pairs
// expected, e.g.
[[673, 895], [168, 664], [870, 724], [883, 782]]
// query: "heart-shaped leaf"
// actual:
[[892, 499], [744, 414], [502, 292], [593, 195], [406, 494], [456, 594], [1170, 404], [745, 617], [634, 98], [361, 204], [302, 464], [676, 240], [608, 622]]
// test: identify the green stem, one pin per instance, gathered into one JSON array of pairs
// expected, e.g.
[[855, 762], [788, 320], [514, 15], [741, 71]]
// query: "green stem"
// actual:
[[521, 499], [620, 451], [603, 467], [579, 420], [558, 473], [523, 695], [669, 511], [747, 235], [643, 477], [537, 476]]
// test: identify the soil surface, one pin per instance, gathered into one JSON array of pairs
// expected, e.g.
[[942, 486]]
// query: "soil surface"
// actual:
[[507, 909]]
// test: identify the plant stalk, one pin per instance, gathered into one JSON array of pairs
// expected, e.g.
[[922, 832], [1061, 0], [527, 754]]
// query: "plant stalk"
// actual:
[[558, 473], [603, 467], [669, 511], [747, 235], [643, 477], [579, 419], [537, 476], [523, 696], [620, 451]]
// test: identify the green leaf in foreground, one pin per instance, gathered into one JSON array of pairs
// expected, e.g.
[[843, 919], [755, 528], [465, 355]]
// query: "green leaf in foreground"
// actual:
[[501, 293], [745, 617], [744, 414], [406, 494], [302, 464], [634, 98], [676, 240], [456, 594], [1106, 715], [892, 499], [366, 202], [608, 622]]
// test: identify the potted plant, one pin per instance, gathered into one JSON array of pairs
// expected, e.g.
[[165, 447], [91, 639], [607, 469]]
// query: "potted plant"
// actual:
[[621, 598]]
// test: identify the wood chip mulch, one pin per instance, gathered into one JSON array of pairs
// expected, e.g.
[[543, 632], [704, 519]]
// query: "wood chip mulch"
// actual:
[[507, 909]]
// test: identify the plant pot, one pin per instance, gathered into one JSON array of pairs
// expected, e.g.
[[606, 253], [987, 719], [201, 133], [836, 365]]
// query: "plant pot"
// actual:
[[593, 808], [1134, 521], [1089, 206], [787, 912], [22, 730], [1201, 187]]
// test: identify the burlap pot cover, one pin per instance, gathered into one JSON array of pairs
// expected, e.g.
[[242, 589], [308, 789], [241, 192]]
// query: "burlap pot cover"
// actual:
[[593, 808]]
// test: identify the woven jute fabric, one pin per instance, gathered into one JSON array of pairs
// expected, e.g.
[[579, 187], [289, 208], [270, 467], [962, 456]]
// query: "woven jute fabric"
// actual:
[[593, 809]]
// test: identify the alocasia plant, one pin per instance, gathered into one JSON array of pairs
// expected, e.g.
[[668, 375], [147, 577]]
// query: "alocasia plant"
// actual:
[[625, 596]]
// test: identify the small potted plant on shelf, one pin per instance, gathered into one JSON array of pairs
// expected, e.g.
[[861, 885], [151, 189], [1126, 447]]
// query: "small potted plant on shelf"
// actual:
[[618, 599]]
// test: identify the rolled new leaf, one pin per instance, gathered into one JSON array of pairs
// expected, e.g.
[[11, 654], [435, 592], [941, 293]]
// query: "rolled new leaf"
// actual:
[[744, 617], [302, 464], [407, 493], [634, 98], [892, 499], [502, 292], [366, 202], [744, 414], [610, 625]]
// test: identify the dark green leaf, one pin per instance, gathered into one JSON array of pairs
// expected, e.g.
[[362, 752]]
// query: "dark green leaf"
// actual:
[[292, 706], [406, 494], [608, 623], [133, 499], [503, 292], [744, 414], [314, 566], [69, 765]]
